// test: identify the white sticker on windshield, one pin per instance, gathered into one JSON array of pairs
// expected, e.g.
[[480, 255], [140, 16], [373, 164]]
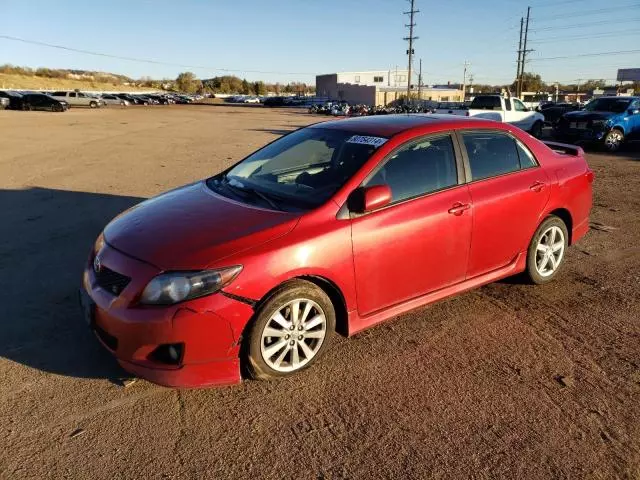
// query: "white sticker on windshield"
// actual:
[[364, 140]]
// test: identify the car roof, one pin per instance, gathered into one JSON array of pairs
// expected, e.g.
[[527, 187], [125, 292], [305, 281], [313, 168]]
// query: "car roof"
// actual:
[[390, 125]]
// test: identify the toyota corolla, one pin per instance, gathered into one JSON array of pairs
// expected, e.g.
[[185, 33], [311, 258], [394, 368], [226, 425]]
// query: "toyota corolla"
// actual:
[[333, 228]]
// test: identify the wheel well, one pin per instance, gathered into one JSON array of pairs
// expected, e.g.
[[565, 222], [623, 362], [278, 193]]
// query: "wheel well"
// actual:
[[336, 297], [565, 216], [618, 127]]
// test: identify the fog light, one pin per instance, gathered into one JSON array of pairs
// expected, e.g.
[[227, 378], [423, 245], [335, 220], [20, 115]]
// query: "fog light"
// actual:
[[170, 354], [173, 353]]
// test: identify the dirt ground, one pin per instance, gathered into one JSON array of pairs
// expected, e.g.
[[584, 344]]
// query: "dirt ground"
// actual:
[[508, 381]]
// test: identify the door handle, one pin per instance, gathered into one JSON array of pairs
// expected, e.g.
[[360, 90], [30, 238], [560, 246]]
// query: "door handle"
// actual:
[[537, 187], [458, 208]]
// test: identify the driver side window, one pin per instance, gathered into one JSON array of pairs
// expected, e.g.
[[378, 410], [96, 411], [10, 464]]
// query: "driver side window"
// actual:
[[519, 106], [418, 168]]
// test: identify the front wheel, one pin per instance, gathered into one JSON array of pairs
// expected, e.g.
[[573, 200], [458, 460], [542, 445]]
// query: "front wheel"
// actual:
[[93, 105], [291, 330], [546, 250], [536, 130], [613, 140]]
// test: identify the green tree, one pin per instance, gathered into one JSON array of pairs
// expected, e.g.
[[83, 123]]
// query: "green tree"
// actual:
[[259, 88], [188, 83], [246, 89], [531, 82]]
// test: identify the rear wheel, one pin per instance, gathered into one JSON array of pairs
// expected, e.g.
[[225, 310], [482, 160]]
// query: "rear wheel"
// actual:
[[613, 140], [546, 250], [536, 130], [291, 330]]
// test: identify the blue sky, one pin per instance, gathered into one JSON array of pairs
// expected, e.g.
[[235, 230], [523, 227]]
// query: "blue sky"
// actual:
[[296, 39]]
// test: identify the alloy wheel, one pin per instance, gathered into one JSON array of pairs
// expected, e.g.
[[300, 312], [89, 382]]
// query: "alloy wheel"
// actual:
[[550, 251], [293, 335], [613, 140]]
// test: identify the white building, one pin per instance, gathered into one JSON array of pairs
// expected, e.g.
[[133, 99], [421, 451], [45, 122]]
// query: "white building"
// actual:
[[372, 78], [377, 87]]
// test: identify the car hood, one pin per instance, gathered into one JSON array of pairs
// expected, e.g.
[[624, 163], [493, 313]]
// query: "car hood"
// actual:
[[584, 115], [191, 227]]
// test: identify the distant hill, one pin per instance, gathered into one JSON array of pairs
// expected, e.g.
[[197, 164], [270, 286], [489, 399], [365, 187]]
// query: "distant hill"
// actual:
[[13, 77]]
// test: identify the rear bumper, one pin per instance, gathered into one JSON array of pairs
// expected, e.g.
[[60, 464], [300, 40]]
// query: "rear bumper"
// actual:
[[208, 328]]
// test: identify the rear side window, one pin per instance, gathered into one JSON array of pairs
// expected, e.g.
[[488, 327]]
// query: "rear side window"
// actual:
[[527, 160], [419, 168], [486, 103], [491, 154], [72, 94]]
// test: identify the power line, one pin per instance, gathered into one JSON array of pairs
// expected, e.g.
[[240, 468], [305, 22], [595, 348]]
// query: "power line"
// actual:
[[142, 60], [599, 54], [586, 24], [585, 13], [586, 36]]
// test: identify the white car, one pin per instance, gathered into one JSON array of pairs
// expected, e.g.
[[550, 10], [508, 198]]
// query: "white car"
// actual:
[[75, 99], [251, 100], [110, 99]]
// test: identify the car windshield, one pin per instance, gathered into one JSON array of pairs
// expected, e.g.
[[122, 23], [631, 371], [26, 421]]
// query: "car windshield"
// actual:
[[616, 105], [301, 170]]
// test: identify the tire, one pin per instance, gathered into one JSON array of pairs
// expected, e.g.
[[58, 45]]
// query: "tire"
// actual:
[[550, 242], [27, 107], [93, 105], [613, 140], [536, 130], [262, 357]]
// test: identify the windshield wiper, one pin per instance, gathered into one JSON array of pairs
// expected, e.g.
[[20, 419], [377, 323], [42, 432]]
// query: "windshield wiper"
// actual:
[[254, 192]]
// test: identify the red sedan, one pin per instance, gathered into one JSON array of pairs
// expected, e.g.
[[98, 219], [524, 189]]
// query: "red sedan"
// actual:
[[334, 227]]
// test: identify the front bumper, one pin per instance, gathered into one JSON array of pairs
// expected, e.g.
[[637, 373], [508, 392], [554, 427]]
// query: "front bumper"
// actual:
[[209, 328], [580, 135]]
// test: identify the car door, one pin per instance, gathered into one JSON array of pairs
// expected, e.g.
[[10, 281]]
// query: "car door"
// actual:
[[634, 120], [522, 117], [508, 191], [420, 242]]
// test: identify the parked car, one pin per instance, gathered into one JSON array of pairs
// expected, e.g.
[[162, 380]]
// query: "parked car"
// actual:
[[251, 100], [553, 112], [608, 121], [15, 99], [505, 109], [339, 225], [76, 99], [129, 98], [39, 101], [110, 99], [273, 102]]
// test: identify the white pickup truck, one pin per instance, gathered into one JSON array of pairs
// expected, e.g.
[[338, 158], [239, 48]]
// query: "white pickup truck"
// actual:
[[505, 109]]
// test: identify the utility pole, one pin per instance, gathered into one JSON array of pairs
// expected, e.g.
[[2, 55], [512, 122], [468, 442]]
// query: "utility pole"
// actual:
[[420, 82], [519, 58], [410, 39], [524, 50], [464, 79]]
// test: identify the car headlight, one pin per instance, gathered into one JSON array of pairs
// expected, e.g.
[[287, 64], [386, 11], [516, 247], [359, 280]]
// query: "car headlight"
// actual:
[[599, 123], [97, 246], [174, 287]]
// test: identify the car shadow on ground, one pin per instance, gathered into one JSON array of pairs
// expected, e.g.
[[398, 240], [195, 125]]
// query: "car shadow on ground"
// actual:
[[45, 238]]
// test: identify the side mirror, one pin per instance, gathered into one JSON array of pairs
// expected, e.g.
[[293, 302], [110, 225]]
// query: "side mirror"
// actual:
[[366, 199], [633, 111]]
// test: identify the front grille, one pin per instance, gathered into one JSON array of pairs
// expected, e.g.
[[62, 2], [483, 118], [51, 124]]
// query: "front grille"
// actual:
[[109, 340], [112, 282]]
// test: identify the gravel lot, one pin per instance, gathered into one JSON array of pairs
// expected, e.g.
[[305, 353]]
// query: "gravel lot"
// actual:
[[508, 381]]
